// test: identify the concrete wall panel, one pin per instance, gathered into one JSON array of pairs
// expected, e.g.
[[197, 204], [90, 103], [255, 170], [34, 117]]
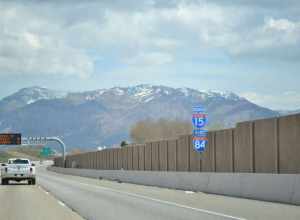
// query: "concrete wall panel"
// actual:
[[183, 154], [224, 150], [141, 149], [243, 149], [125, 157], [111, 159], [85, 161], [94, 154], [82, 160], [172, 155], [129, 156], [90, 160], [102, 160], [148, 156], [97, 160], [135, 158], [208, 156], [86, 158], [155, 155], [106, 159], [265, 146], [79, 161], [120, 159], [163, 155], [289, 144], [115, 155]]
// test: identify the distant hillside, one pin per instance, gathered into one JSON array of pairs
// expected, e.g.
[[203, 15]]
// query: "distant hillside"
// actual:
[[4, 156], [289, 112], [104, 117], [32, 153]]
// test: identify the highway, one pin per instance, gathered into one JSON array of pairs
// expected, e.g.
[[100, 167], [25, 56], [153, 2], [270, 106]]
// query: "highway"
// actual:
[[57, 195], [23, 202]]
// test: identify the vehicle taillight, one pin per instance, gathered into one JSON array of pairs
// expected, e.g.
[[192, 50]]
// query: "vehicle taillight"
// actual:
[[6, 169]]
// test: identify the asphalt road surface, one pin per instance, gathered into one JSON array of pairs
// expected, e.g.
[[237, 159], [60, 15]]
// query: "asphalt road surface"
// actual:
[[68, 197], [100, 199], [24, 202]]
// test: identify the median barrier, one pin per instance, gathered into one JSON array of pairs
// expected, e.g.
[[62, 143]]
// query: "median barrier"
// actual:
[[284, 188]]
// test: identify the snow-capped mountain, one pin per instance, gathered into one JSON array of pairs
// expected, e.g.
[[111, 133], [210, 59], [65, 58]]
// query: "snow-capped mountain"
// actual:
[[146, 93], [104, 116], [28, 96]]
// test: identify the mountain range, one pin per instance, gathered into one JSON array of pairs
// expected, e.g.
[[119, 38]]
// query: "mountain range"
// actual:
[[104, 117]]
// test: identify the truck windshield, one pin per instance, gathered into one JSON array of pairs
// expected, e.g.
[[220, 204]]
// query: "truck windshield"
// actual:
[[20, 161]]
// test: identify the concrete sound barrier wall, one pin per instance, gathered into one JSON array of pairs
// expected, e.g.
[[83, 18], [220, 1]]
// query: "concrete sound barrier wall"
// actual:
[[283, 188], [261, 146]]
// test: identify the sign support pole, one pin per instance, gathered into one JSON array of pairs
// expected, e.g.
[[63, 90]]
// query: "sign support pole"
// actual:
[[44, 140], [61, 143]]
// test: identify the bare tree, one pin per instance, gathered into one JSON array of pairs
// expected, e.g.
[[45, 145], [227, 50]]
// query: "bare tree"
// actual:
[[215, 126], [123, 144], [75, 151], [150, 130]]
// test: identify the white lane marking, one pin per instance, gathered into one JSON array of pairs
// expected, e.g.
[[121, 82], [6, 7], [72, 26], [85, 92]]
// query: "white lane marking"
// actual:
[[61, 203], [152, 199], [189, 192], [45, 191], [166, 202]]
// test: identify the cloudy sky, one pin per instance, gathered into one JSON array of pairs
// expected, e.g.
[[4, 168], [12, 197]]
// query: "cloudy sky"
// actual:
[[249, 47]]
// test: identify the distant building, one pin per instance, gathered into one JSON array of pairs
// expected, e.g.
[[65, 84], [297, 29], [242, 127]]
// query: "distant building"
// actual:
[[101, 148]]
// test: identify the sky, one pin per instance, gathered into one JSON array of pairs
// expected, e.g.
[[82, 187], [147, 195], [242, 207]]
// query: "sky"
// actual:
[[249, 47]]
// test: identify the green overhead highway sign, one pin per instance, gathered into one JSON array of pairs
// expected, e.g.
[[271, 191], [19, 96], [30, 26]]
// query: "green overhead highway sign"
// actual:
[[46, 152]]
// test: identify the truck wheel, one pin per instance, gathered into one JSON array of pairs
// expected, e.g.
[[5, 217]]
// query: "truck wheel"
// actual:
[[32, 182]]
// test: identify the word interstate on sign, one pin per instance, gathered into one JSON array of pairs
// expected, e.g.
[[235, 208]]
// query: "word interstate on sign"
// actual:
[[10, 139]]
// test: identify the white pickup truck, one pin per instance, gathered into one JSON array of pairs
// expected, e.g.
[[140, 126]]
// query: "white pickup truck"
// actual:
[[18, 169]]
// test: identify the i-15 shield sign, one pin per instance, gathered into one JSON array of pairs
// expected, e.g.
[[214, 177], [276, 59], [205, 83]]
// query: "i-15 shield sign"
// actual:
[[199, 120]]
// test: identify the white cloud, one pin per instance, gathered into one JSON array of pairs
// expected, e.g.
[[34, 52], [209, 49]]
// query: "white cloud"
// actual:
[[273, 38], [289, 100], [280, 25], [39, 38], [150, 59], [37, 46], [33, 40]]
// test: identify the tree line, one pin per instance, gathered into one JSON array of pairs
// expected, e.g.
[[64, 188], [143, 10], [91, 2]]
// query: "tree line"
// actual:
[[152, 130]]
